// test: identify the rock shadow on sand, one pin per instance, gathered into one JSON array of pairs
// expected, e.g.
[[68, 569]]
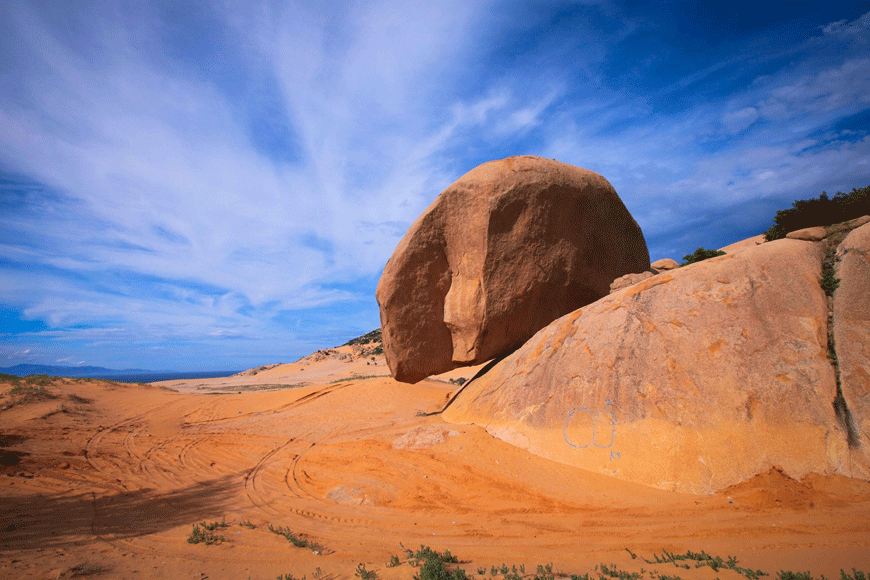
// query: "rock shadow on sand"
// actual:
[[43, 521]]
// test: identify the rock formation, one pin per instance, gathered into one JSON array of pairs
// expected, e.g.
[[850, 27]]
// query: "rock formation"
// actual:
[[629, 280], [665, 264], [852, 334], [814, 234], [697, 378], [506, 249]]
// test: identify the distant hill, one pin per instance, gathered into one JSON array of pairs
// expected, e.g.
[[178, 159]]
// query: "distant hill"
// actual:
[[24, 370]]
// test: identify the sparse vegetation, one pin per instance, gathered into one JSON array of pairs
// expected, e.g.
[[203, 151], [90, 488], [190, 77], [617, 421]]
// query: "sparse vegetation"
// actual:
[[30, 392], [79, 399], [434, 569], [427, 553], [289, 576], [364, 574], [820, 211], [394, 562], [368, 338], [86, 570], [204, 533], [297, 541], [700, 255], [701, 560]]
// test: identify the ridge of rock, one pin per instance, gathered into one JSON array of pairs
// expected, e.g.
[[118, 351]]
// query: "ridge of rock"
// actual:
[[695, 379]]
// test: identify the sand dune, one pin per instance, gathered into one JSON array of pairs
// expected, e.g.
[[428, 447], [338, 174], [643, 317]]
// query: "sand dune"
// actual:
[[114, 476]]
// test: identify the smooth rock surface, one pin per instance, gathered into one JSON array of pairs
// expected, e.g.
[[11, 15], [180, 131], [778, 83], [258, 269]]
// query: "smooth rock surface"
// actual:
[[693, 380], [629, 280], [665, 264], [852, 331], [505, 250], [814, 234]]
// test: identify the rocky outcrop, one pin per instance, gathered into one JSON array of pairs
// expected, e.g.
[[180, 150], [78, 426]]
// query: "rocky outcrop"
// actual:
[[815, 234], [665, 264], [506, 249], [852, 334], [629, 280], [693, 379]]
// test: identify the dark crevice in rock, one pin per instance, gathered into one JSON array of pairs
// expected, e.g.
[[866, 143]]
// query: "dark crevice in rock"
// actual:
[[829, 284]]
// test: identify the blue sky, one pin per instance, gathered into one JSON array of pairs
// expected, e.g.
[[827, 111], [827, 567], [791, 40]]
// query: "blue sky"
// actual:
[[218, 185]]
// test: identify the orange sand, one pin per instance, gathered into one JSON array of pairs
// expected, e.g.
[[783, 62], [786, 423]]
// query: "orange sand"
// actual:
[[115, 476]]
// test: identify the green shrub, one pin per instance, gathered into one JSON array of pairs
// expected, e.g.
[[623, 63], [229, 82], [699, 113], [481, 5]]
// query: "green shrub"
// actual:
[[829, 281], [373, 336], [820, 211], [794, 575], [296, 540], [364, 574], [434, 569], [699, 255], [427, 553], [204, 535]]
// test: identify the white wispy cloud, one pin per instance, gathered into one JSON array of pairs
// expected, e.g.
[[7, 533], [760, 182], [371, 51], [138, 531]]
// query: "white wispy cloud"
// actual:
[[230, 181]]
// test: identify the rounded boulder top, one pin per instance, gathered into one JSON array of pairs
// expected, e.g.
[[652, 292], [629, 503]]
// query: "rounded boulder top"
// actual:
[[506, 249]]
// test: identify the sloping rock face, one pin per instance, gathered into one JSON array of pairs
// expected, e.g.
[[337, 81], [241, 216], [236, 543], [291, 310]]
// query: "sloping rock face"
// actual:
[[815, 234], [505, 250], [852, 332], [692, 380], [629, 280]]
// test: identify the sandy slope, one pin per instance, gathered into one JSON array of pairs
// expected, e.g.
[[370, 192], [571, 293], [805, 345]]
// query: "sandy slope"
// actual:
[[320, 368], [114, 476]]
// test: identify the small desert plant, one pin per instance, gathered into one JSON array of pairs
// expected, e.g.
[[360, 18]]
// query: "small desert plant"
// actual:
[[215, 525], [612, 571], [85, 570], [794, 575], [426, 553], [289, 576], [296, 540], [394, 561], [364, 574], [204, 536], [829, 282], [434, 569], [545, 572], [700, 255], [247, 524]]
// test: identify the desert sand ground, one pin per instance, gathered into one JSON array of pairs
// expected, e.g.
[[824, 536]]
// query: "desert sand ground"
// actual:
[[109, 479]]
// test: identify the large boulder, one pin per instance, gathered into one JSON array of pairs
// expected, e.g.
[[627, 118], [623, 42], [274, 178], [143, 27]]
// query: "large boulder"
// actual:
[[852, 333], [692, 380], [505, 250]]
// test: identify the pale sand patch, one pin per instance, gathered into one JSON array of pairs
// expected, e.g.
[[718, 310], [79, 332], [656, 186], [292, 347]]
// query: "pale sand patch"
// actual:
[[342, 363]]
